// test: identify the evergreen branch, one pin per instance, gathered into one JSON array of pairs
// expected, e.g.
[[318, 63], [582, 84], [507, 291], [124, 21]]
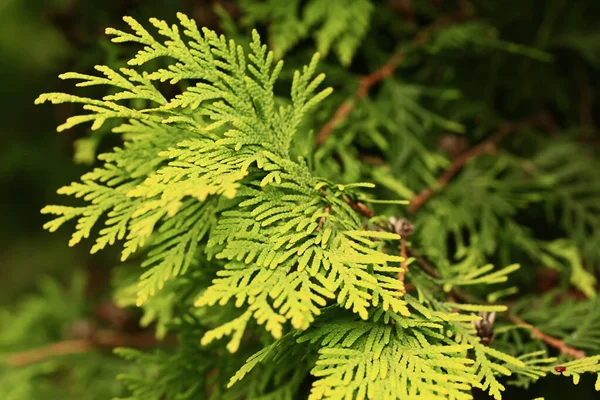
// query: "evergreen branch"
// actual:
[[348, 105], [366, 82], [487, 146], [549, 340], [431, 271], [103, 339], [245, 232], [536, 332]]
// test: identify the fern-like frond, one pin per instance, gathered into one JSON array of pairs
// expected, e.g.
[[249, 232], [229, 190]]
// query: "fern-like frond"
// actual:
[[204, 142], [340, 25], [286, 266]]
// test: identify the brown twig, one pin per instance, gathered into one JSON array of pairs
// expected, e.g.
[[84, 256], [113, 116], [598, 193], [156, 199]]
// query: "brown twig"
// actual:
[[465, 12], [549, 340], [371, 160], [348, 105], [324, 217], [431, 271], [409, 287], [359, 207], [487, 146], [52, 350], [425, 266], [98, 340]]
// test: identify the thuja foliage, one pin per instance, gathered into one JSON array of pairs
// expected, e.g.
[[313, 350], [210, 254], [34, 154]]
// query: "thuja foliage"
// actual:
[[308, 242]]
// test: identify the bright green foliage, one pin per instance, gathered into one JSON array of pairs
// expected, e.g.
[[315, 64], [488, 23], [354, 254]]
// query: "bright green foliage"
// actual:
[[279, 259], [258, 253], [238, 141], [390, 357]]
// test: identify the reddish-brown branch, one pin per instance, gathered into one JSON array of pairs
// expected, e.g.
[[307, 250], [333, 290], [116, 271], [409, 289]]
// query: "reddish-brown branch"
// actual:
[[52, 350], [425, 266], [409, 287], [99, 340], [359, 207], [369, 159], [431, 271], [549, 340], [465, 12], [487, 146], [348, 105], [324, 217]]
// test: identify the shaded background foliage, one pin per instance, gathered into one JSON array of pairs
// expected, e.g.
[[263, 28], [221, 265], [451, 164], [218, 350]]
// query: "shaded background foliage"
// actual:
[[42, 38]]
